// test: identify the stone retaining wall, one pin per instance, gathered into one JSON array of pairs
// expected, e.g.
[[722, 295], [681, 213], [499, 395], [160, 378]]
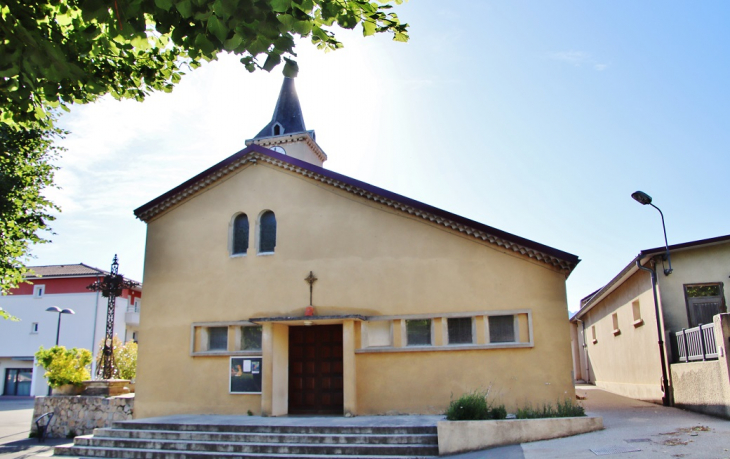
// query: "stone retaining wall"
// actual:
[[80, 415]]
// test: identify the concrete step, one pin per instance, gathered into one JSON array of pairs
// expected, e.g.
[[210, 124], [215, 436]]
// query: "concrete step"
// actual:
[[283, 429], [95, 452], [259, 448], [371, 439]]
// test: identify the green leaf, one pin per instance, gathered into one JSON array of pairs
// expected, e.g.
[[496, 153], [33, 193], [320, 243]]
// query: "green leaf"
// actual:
[[302, 27], [271, 61], [368, 28], [217, 28], [280, 6], [185, 7], [164, 4]]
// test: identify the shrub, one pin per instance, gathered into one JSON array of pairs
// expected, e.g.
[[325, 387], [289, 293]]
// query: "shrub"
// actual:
[[125, 358], [566, 409], [64, 366], [474, 406]]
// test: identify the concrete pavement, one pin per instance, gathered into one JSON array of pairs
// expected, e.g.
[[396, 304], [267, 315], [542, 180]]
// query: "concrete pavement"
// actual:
[[16, 414], [633, 429]]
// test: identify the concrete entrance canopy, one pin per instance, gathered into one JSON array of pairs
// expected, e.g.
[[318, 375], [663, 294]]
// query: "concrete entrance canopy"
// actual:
[[275, 353]]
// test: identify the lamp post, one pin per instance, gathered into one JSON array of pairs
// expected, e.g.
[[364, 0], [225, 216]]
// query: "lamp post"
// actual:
[[59, 311], [644, 199]]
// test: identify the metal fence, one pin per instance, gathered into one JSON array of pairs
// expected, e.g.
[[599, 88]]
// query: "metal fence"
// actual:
[[697, 343]]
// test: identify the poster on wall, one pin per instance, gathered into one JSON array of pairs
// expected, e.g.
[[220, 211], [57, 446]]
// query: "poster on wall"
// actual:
[[245, 375]]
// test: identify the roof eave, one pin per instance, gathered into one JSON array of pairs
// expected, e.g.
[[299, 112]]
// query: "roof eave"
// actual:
[[565, 261]]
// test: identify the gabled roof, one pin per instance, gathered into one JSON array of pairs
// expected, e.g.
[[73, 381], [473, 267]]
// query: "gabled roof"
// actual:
[[287, 114], [56, 271], [587, 303], [77, 270], [255, 153]]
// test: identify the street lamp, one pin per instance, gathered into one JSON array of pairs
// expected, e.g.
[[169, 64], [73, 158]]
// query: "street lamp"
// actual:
[[644, 199], [59, 311]]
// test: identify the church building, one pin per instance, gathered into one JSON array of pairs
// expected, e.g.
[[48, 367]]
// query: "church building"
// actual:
[[274, 286]]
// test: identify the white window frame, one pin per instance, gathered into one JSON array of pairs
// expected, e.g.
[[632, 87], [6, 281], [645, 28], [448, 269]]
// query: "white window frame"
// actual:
[[38, 291]]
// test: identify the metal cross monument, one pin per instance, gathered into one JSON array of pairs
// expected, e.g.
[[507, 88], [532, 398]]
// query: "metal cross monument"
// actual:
[[111, 287]]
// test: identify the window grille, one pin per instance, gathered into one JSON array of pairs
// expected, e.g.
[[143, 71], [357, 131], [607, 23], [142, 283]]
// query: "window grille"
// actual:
[[501, 329], [703, 302], [251, 338], [418, 332], [460, 330], [218, 338], [240, 235], [267, 240]]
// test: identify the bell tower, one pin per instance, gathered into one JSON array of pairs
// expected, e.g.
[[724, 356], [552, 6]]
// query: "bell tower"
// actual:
[[286, 133]]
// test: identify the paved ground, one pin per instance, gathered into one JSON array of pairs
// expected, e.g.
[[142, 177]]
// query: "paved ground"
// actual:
[[652, 431], [15, 418]]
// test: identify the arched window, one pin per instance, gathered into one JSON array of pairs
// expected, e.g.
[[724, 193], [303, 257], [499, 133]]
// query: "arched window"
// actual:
[[240, 235], [267, 232]]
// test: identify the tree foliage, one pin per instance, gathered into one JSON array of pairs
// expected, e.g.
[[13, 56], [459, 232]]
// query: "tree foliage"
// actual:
[[56, 52], [64, 366], [25, 171]]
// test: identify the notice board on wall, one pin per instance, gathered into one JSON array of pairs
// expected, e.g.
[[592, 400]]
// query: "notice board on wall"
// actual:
[[245, 374]]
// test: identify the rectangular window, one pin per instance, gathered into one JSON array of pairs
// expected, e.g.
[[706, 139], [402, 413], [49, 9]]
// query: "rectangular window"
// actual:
[[251, 338], [378, 334], [418, 332], [460, 330], [501, 329], [38, 291], [636, 310], [593, 333], [218, 338], [616, 329], [34, 327], [704, 301]]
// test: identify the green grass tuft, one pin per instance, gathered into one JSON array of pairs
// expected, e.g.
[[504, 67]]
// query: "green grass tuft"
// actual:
[[474, 406], [566, 409]]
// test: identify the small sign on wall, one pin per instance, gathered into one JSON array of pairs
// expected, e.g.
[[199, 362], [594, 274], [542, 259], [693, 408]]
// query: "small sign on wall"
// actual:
[[245, 374]]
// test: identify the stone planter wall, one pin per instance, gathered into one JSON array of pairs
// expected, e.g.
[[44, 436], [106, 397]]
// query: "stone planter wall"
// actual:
[[463, 436], [80, 415]]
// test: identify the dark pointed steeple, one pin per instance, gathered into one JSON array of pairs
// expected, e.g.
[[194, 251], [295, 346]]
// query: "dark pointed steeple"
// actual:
[[286, 134], [287, 117]]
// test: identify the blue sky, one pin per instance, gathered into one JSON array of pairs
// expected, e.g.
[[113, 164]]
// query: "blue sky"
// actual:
[[538, 118]]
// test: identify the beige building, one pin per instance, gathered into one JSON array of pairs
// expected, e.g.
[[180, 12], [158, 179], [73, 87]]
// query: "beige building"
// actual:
[[616, 332], [275, 286]]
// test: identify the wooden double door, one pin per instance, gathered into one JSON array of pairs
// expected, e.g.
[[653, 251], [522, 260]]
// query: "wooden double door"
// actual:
[[315, 370]]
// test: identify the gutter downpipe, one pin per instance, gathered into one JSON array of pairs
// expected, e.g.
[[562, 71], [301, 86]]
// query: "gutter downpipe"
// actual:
[[665, 381], [585, 351]]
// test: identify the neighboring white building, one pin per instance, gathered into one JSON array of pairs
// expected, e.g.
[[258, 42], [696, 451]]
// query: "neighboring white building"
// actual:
[[63, 286]]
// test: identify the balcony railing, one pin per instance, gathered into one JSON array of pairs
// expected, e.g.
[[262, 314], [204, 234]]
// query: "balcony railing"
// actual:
[[697, 343]]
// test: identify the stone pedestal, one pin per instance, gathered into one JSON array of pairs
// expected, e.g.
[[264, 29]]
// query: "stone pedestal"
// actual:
[[106, 387]]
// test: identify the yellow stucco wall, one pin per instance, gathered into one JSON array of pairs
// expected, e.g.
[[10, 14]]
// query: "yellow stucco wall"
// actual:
[[694, 266], [370, 260], [626, 363]]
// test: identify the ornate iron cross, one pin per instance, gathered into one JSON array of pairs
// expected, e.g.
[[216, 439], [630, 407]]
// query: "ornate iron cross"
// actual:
[[311, 279], [111, 287]]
